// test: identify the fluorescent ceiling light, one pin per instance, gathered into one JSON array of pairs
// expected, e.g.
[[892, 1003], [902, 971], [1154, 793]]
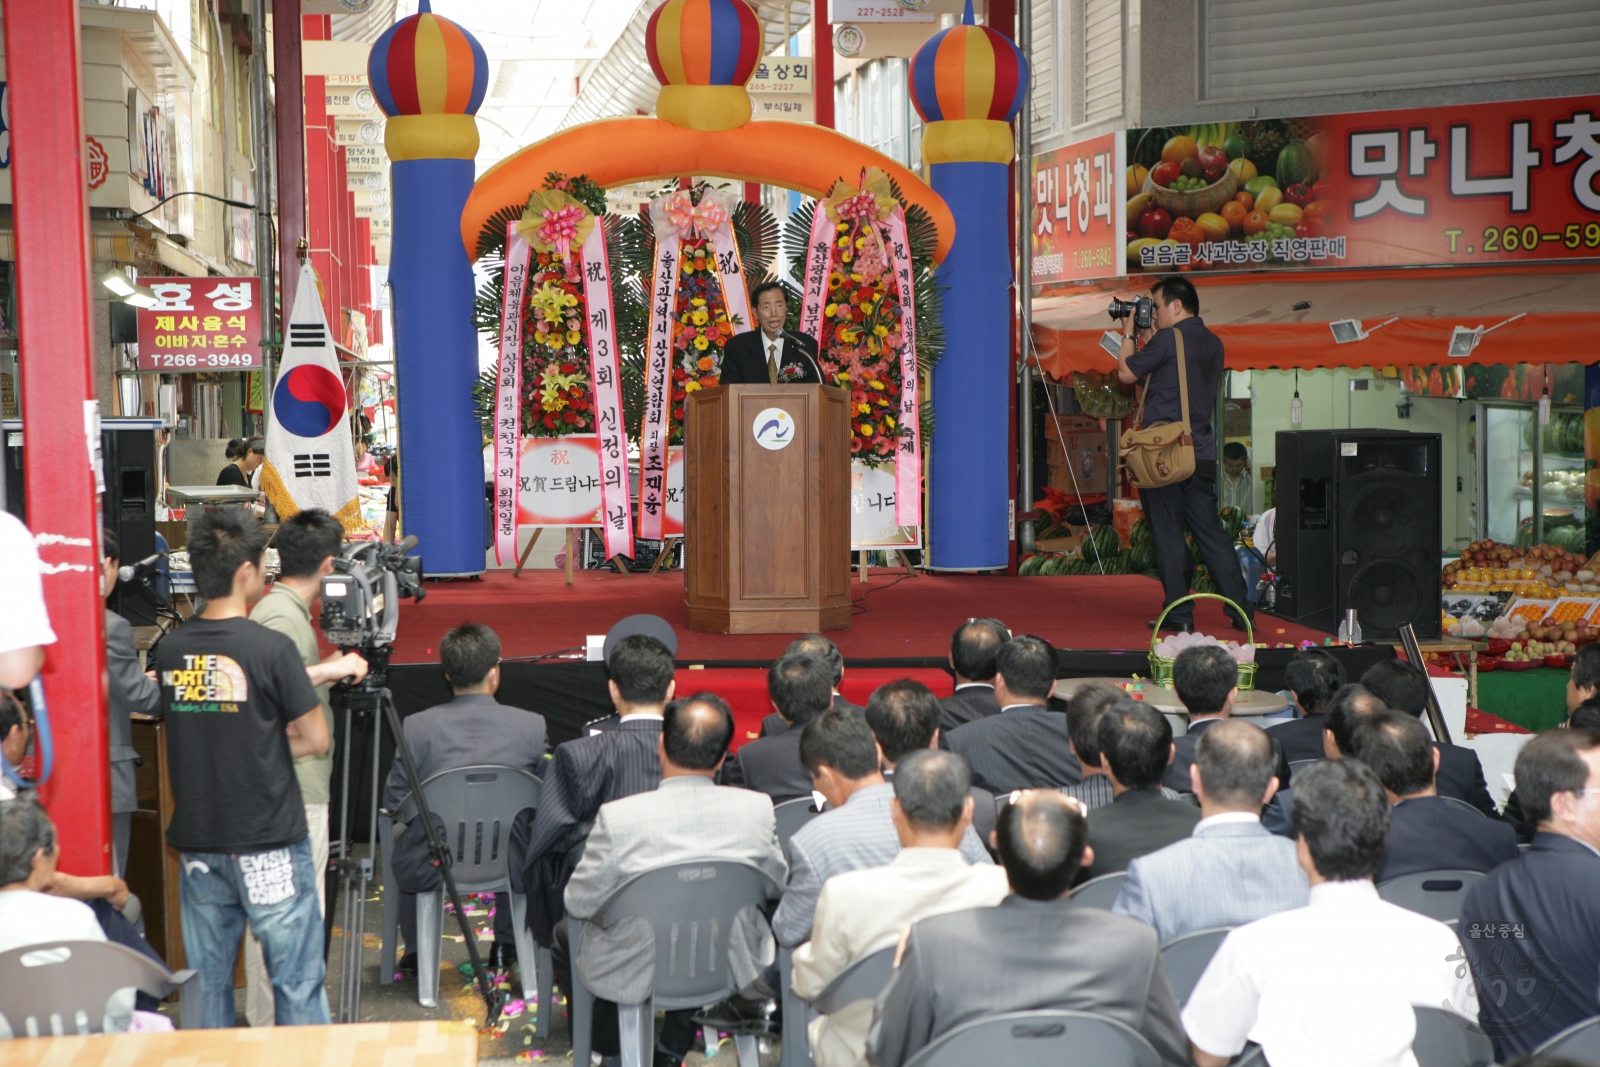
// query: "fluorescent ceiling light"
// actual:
[[117, 281], [142, 297]]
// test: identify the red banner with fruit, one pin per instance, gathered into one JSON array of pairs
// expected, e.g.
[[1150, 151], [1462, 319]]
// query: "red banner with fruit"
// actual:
[[1077, 220], [1479, 183]]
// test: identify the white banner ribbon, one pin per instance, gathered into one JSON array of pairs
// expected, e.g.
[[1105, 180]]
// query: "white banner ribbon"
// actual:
[[908, 453], [615, 508], [508, 398], [658, 387], [818, 255]]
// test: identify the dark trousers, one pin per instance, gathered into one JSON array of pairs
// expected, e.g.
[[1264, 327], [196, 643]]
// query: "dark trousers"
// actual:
[[1192, 503], [677, 1028], [119, 931]]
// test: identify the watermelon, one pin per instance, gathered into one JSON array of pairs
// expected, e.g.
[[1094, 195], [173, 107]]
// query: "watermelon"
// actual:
[[1140, 534], [1232, 521], [1295, 165], [1568, 538], [1105, 542], [1141, 557], [1202, 582], [1031, 565], [1057, 565]]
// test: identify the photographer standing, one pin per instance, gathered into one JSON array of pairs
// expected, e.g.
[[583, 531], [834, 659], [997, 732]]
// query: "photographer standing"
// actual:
[[240, 709], [307, 545], [1193, 501]]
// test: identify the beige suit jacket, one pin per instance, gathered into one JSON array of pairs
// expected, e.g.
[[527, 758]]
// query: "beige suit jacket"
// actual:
[[860, 912]]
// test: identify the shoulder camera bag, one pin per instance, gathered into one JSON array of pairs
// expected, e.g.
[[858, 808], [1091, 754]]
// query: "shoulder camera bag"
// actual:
[[1164, 453]]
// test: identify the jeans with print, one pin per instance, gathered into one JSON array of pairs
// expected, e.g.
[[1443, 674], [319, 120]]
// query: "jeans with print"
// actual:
[[275, 893]]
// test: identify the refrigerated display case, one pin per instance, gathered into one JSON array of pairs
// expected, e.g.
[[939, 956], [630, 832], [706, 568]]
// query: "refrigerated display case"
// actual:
[[1530, 477]]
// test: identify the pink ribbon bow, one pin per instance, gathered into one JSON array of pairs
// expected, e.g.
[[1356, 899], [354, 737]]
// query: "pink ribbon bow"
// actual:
[[863, 205], [703, 219], [560, 228]]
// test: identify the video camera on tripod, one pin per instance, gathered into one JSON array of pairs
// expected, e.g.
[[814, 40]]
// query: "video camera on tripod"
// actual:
[[361, 598]]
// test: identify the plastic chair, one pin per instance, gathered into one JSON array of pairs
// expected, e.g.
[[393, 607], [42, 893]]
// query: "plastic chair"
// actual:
[[691, 909], [1580, 1041], [1100, 892], [1187, 957], [477, 806], [1445, 1039], [796, 1050], [56, 988], [1436, 894], [791, 815], [1179, 723], [1040, 1039], [862, 980]]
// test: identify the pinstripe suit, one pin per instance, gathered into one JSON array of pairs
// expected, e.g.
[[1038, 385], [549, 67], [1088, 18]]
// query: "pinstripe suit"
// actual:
[[859, 834], [686, 819], [584, 773], [1226, 874]]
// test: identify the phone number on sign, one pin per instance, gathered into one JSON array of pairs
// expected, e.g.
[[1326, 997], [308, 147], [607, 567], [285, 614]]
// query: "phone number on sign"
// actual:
[[1529, 238], [165, 360]]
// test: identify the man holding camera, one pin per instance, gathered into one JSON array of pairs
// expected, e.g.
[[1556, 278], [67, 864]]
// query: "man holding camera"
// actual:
[[1193, 501]]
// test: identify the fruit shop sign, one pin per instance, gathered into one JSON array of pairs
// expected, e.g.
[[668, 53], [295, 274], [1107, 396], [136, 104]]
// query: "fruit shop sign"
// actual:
[[1485, 183], [1078, 204]]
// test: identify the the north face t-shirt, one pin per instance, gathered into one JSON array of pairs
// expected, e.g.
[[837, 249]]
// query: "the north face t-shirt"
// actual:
[[229, 688]]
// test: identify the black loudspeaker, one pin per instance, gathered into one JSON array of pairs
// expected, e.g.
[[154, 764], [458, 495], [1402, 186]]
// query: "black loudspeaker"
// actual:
[[1358, 527]]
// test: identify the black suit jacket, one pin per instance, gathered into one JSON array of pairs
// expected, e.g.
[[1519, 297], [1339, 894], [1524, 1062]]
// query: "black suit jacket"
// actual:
[[777, 724], [1023, 748], [1138, 822], [744, 358], [967, 704], [584, 773], [772, 766], [1550, 893], [1300, 739], [1461, 776], [1177, 778], [1432, 834]]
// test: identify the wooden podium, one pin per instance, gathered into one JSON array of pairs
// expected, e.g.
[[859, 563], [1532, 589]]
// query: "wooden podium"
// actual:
[[767, 518]]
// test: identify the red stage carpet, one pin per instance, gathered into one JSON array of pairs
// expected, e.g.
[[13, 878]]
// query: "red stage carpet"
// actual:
[[896, 618]]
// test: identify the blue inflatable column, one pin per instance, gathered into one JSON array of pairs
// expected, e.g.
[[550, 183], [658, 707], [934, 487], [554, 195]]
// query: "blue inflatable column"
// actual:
[[429, 76], [967, 83]]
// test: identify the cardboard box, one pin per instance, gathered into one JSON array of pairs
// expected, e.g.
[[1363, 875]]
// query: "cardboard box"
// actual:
[[1075, 445]]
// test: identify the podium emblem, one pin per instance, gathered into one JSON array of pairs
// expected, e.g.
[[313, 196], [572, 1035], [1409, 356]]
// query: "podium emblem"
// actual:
[[773, 429]]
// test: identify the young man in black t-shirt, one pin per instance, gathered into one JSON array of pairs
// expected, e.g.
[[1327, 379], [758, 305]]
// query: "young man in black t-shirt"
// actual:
[[240, 708]]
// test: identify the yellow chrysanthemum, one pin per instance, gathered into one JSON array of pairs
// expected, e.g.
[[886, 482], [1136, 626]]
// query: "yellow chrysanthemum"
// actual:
[[701, 343], [876, 384], [573, 337], [844, 242], [831, 310], [699, 317], [863, 408], [888, 422], [866, 429], [881, 330], [698, 301], [691, 387]]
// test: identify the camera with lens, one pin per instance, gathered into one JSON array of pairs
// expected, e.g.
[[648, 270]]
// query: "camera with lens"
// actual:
[[361, 598], [1143, 310]]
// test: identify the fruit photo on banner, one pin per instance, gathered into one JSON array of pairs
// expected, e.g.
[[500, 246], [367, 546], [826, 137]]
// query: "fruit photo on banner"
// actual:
[[557, 396], [861, 330]]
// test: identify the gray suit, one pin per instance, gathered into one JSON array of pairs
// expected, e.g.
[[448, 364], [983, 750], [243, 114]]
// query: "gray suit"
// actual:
[[1226, 874], [1025, 955], [472, 729], [687, 819], [131, 691]]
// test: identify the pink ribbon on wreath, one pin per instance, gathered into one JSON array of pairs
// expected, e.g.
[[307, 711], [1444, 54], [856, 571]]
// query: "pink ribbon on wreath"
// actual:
[[862, 205], [560, 228], [702, 220]]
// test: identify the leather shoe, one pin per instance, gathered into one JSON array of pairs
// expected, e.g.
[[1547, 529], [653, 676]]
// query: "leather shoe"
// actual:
[[1239, 624], [1175, 627], [408, 965], [743, 1015], [502, 956]]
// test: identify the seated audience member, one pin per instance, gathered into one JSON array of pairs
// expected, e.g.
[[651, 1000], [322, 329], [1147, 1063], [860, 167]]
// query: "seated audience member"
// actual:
[[972, 655], [1427, 832], [1036, 951], [838, 749], [828, 652], [1206, 679], [1230, 870], [1544, 968], [800, 687], [589, 771], [1349, 706], [1585, 716], [473, 729], [1088, 703], [861, 912], [648, 625], [1367, 960], [1583, 698], [1404, 688], [1312, 676], [904, 717], [687, 819], [1025, 746], [1135, 748]]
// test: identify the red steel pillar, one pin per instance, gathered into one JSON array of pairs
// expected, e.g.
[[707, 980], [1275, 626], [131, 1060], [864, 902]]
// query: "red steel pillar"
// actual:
[[55, 341], [290, 118], [822, 62]]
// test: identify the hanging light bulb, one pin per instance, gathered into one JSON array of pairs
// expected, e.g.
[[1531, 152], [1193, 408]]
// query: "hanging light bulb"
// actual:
[[1297, 410]]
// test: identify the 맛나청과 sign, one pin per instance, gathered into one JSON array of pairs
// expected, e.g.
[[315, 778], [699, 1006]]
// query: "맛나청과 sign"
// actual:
[[201, 324]]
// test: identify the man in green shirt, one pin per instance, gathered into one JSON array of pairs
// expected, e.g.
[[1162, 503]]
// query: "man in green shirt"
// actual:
[[307, 545]]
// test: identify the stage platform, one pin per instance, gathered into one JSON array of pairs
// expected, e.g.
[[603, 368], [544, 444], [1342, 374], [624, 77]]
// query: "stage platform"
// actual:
[[897, 620]]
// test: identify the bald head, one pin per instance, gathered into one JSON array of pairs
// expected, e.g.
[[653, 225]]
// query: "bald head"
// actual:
[[1041, 837], [695, 733], [1351, 704], [1236, 762]]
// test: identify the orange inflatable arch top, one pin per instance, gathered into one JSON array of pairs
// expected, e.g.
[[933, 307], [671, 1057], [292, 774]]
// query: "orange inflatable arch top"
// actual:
[[623, 150]]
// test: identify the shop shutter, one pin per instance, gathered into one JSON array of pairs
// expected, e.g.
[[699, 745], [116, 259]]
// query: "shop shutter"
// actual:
[[1102, 59], [1042, 67], [1256, 49]]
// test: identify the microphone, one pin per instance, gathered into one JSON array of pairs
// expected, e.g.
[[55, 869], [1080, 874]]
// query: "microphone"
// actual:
[[143, 568]]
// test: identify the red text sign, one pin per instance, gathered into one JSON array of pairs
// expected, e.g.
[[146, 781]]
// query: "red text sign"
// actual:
[[201, 324], [1078, 202]]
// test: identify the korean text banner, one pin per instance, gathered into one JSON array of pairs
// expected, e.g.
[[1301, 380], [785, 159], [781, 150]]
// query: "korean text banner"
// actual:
[[1468, 184], [201, 324], [1078, 201]]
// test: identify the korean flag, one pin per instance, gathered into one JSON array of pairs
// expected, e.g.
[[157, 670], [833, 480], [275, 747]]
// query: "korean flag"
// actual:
[[310, 454]]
